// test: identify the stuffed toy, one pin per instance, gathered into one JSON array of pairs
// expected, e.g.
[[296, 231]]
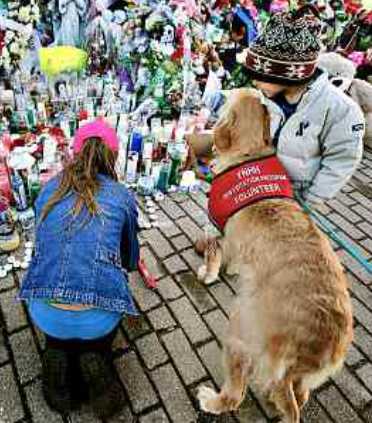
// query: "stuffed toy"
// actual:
[[342, 74]]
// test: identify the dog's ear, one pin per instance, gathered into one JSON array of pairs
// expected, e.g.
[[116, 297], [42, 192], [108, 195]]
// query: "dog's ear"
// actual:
[[222, 130], [252, 132]]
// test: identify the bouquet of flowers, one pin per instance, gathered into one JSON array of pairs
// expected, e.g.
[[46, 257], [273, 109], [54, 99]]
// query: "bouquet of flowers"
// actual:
[[24, 15]]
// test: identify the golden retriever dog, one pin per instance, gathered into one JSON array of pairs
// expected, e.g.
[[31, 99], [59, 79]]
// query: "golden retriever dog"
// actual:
[[291, 324]]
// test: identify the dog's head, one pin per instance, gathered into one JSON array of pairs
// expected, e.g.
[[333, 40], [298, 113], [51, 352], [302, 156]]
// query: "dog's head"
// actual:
[[243, 128]]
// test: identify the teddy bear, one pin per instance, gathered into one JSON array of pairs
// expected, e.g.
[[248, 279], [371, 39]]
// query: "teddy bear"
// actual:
[[341, 73]]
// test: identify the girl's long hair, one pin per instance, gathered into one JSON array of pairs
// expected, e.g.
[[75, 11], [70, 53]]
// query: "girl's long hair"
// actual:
[[79, 177]]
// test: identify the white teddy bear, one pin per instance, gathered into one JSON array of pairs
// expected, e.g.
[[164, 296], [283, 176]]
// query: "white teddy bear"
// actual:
[[341, 72]]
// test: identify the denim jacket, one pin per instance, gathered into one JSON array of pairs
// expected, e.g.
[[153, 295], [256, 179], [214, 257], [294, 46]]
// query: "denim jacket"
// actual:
[[84, 259]]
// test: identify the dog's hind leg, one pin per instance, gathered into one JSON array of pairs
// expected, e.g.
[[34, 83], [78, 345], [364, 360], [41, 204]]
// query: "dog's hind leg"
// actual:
[[285, 400], [302, 394], [238, 367], [208, 273]]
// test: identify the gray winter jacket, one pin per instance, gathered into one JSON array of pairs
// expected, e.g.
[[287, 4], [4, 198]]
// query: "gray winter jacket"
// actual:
[[321, 144]]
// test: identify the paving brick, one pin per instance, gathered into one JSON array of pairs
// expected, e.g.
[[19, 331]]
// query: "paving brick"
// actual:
[[171, 208], [175, 265], [357, 245], [14, 314], [365, 373], [196, 291], [361, 177], [363, 340], [167, 226], [366, 228], [161, 319], [192, 259], [11, 408], [345, 211], [196, 213], [137, 385], [218, 323], [314, 413], [362, 199], [181, 243], [190, 320], [191, 230], [173, 395], [362, 211], [352, 389], [183, 356], [124, 416], [362, 314], [200, 199], [83, 416], [153, 265], [179, 197], [367, 169], [25, 354], [157, 416], [168, 289], [345, 226], [324, 209], [355, 268], [151, 351], [145, 297], [337, 406], [159, 244], [360, 290], [211, 356], [367, 244], [41, 413], [367, 414], [249, 412], [7, 282], [3, 350], [224, 296], [344, 198], [135, 328], [354, 356]]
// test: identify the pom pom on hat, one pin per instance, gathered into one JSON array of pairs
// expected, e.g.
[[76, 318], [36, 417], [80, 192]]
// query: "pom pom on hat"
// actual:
[[97, 129]]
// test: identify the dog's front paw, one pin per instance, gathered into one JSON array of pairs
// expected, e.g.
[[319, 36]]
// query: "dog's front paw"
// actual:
[[209, 278], [209, 400], [202, 273]]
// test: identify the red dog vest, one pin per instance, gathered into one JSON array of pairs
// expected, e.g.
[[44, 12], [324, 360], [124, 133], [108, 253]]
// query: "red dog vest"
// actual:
[[246, 184]]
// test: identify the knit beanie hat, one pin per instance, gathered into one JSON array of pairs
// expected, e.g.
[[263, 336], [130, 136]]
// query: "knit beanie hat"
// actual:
[[287, 50]]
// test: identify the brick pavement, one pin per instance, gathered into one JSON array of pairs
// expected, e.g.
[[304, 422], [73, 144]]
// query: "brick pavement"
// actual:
[[177, 344]]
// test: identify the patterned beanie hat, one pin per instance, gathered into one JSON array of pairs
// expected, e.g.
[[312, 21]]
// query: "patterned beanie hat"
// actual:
[[287, 50]]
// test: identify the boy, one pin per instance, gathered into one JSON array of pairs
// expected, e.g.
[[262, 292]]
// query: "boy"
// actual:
[[316, 129]]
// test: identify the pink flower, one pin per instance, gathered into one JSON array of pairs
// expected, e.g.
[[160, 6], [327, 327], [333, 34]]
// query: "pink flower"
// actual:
[[358, 57]]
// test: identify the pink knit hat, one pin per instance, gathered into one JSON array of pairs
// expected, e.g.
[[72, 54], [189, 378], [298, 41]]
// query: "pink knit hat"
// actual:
[[97, 129]]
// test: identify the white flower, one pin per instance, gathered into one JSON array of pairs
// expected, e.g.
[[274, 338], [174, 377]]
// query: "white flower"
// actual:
[[24, 14], [9, 36], [14, 48]]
